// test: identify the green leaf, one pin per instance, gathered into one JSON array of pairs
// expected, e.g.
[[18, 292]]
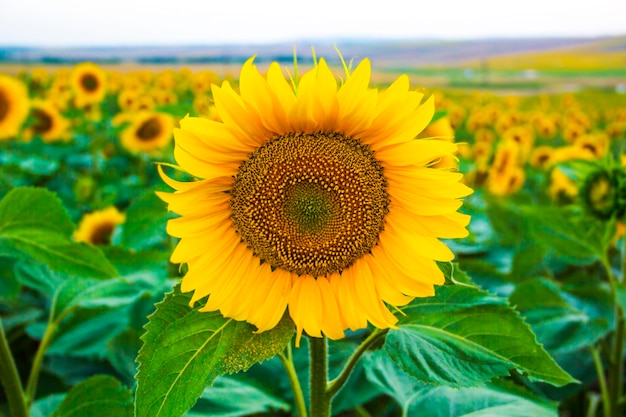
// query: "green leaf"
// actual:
[[98, 396], [9, 284], [579, 239], [38, 277], [92, 293], [86, 334], [43, 407], [145, 224], [230, 397], [34, 225], [185, 350], [465, 337], [565, 319], [418, 399]]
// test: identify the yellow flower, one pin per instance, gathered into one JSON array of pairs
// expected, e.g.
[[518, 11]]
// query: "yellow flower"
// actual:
[[88, 82], [14, 106], [97, 227], [147, 132], [506, 176], [313, 198], [48, 124]]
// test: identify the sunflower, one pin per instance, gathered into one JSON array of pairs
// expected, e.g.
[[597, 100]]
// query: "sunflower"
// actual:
[[315, 199], [48, 123], [97, 227], [88, 82], [147, 132], [14, 106]]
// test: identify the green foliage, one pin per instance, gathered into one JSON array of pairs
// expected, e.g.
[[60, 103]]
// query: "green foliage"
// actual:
[[34, 225], [502, 399], [98, 396], [185, 350], [465, 337], [565, 318], [229, 397]]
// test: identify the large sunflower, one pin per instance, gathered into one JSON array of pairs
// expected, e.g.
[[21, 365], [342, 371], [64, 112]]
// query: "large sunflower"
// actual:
[[315, 198], [14, 106], [88, 82]]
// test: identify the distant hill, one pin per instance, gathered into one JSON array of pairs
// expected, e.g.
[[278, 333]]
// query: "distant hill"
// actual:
[[426, 53], [602, 54]]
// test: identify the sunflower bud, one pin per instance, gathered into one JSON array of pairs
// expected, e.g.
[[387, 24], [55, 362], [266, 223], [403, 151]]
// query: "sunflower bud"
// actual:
[[604, 193]]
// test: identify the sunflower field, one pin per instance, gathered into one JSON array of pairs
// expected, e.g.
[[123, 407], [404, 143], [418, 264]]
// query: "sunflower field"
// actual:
[[307, 243]]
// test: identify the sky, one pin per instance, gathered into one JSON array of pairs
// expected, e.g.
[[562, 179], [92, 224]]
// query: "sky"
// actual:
[[72, 23]]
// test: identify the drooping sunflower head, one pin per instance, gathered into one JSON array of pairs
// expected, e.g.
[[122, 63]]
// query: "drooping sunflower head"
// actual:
[[147, 132], [97, 228], [88, 82], [14, 105], [313, 197]]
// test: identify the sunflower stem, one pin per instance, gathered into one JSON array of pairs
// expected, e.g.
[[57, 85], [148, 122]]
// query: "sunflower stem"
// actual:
[[320, 401], [33, 377], [335, 385], [287, 361], [597, 361], [10, 379], [616, 358]]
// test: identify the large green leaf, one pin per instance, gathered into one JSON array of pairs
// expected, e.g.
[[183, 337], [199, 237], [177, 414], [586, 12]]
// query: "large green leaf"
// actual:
[[465, 337], [230, 397], [185, 350], [98, 396], [418, 399], [34, 225], [565, 319]]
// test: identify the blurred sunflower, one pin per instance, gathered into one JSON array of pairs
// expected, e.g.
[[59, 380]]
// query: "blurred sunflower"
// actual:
[[88, 82], [48, 122], [147, 132], [97, 227], [14, 105], [315, 199]]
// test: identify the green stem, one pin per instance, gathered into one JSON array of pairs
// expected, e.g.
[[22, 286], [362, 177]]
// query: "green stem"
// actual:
[[33, 377], [10, 379], [616, 358], [335, 385], [597, 361], [320, 401], [594, 401], [360, 411], [287, 362], [616, 388]]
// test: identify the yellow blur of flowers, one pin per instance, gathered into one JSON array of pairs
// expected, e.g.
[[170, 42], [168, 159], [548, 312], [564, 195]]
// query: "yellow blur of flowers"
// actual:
[[313, 198], [14, 105], [97, 227]]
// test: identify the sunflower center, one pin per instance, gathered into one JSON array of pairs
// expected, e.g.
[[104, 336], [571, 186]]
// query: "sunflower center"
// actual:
[[4, 105], [102, 234], [149, 130], [310, 203], [89, 82], [43, 121]]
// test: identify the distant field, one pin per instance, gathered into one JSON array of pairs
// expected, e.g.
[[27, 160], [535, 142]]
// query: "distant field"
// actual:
[[503, 65]]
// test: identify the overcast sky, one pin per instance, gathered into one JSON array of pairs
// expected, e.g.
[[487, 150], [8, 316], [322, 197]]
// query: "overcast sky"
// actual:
[[65, 23]]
